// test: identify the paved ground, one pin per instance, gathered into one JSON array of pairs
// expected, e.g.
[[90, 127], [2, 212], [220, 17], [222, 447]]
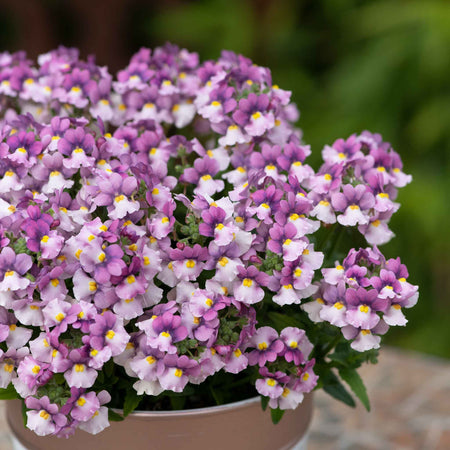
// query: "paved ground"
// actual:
[[410, 396]]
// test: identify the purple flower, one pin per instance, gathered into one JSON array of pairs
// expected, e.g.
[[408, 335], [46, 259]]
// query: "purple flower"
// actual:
[[108, 334], [221, 103], [103, 262], [342, 150], [362, 307], [365, 339], [214, 225], [354, 202], [76, 145], [272, 384], [284, 241], [266, 346], [202, 175], [335, 309], [386, 284], [267, 202], [297, 345], [166, 331], [81, 404], [174, 371], [12, 270], [253, 115], [247, 289], [188, 263], [80, 375], [44, 417], [115, 192]]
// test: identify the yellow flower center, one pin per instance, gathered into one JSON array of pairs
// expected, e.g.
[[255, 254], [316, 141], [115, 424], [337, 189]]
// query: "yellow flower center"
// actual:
[[223, 261], [60, 316], [248, 282], [110, 334], [44, 414]]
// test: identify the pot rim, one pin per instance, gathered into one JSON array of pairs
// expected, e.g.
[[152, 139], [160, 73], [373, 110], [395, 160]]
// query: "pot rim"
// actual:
[[208, 410]]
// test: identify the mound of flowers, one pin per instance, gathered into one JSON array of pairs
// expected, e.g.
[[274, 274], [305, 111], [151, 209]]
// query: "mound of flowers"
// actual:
[[161, 235]]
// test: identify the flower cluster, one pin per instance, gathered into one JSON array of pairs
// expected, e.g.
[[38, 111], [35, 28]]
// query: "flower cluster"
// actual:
[[363, 297], [125, 246]]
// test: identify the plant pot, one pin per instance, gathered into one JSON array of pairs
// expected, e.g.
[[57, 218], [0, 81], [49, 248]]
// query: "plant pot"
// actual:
[[239, 426]]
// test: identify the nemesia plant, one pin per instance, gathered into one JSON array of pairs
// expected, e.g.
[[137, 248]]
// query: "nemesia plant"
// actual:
[[164, 243]]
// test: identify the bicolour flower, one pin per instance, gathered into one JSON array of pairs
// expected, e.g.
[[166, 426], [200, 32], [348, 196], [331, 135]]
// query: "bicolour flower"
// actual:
[[267, 346], [248, 287], [80, 375], [174, 371], [284, 240], [44, 417], [107, 334], [166, 330], [354, 202], [115, 192], [12, 270], [271, 385], [297, 345], [253, 115]]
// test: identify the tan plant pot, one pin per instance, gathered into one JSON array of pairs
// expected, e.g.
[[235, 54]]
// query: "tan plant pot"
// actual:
[[235, 426]]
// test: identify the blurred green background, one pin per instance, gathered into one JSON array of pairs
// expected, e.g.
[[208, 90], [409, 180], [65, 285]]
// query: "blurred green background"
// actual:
[[352, 65]]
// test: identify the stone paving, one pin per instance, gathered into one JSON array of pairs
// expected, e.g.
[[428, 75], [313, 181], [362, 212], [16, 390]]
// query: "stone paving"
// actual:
[[410, 396]]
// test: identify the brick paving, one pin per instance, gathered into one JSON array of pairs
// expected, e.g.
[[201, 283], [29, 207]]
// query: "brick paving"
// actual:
[[410, 396]]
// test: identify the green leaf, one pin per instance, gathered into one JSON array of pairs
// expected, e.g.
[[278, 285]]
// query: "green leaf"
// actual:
[[131, 402], [276, 415], [264, 402], [333, 387], [24, 413], [109, 368], [177, 402], [113, 416], [352, 378], [8, 393]]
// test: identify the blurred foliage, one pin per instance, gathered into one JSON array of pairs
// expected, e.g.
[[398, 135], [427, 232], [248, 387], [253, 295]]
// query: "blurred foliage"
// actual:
[[354, 65]]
